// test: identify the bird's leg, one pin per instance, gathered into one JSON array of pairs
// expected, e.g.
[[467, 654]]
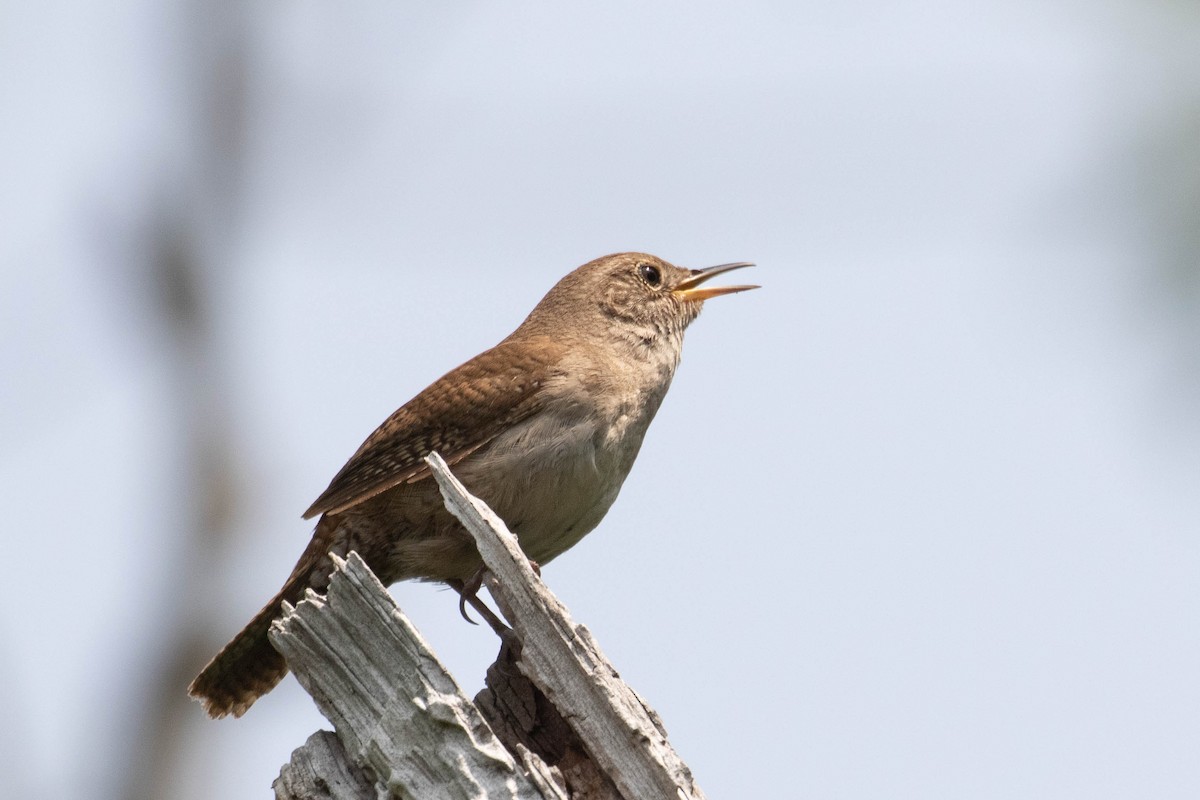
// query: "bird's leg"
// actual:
[[510, 654], [489, 616], [468, 592]]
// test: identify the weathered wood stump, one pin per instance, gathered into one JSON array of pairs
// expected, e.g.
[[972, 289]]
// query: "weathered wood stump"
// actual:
[[553, 721]]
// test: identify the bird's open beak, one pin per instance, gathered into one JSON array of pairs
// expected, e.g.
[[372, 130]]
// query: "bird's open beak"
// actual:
[[691, 290]]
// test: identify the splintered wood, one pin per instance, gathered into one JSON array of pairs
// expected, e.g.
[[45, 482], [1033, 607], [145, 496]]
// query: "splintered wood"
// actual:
[[555, 720]]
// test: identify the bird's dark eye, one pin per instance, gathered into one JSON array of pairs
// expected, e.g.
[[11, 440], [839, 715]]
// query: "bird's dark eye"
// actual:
[[650, 274]]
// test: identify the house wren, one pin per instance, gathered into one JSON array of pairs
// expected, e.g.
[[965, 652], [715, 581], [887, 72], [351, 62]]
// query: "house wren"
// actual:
[[543, 428]]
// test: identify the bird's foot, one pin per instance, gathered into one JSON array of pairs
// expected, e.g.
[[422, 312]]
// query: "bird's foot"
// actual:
[[468, 592], [510, 653]]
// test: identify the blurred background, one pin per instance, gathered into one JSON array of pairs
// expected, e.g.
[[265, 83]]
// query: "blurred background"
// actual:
[[919, 518]]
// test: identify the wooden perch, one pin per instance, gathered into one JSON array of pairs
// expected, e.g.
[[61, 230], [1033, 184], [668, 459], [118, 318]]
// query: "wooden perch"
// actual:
[[554, 721]]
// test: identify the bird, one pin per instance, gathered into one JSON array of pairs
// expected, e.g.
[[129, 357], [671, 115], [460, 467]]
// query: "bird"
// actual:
[[544, 427]]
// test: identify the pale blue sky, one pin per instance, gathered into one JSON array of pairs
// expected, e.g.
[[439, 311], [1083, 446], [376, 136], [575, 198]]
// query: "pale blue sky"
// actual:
[[918, 519]]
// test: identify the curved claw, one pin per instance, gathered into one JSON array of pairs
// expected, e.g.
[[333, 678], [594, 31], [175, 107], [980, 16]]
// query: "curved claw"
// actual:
[[462, 608], [468, 592]]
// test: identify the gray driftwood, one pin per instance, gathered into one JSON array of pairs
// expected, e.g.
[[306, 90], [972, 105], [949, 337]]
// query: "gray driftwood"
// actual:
[[321, 771], [554, 720]]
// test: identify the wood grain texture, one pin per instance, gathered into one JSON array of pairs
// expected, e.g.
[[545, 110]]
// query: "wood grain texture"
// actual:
[[623, 734], [395, 708], [320, 770]]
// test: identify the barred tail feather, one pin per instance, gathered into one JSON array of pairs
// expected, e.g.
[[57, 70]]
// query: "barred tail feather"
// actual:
[[245, 669], [249, 667]]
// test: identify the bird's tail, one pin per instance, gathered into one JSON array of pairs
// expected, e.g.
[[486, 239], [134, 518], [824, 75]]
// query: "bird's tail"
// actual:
[[245, 669], [249, 667]]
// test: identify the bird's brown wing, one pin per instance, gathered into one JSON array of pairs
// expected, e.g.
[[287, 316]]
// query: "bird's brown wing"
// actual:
[[456, 415]]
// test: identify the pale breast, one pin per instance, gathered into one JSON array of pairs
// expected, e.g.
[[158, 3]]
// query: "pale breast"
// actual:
[[558, 473], [547, 480]]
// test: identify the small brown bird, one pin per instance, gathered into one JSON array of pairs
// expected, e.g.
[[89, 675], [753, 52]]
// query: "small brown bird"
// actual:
[[543, 427]]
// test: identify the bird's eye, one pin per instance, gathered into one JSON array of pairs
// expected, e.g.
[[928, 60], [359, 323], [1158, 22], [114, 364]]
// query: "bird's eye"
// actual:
[[650, 274]]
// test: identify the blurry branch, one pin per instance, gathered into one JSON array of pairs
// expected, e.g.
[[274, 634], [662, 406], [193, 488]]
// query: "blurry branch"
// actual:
[[1165, 184], [1169, 182], [201, 504], [190, 229], [554, 720]]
